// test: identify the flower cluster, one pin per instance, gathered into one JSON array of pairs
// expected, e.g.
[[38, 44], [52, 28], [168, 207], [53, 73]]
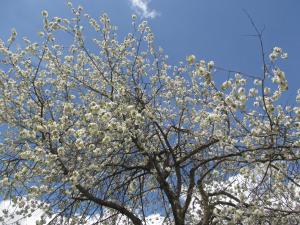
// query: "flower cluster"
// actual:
[[115, 126]]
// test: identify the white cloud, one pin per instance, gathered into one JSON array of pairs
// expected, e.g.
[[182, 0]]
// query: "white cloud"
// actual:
[[141, 7]]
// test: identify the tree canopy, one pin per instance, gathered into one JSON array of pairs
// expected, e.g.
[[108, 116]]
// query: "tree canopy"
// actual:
[[103, 130]]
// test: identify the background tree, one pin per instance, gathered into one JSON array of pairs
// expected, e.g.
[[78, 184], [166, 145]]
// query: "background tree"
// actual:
[[108, 132]]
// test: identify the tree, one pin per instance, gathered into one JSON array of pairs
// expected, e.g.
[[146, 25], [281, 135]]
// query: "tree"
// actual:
[[114, 132]]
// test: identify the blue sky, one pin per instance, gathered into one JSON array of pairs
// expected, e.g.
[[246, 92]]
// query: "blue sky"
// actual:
[[211, 29]]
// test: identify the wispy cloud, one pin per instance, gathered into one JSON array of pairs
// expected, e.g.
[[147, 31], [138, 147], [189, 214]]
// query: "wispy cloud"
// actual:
[[141, 7]]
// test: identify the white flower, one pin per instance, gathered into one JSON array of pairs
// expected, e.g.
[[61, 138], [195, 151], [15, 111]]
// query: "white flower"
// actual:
[[253, 92], [277, 50], [226, 85], [44, 13], [133, 17], [191, 59], [79, 143], [13, 32], [267, 90], [106, 139], [257, 82], [284, 55], [210, 65]]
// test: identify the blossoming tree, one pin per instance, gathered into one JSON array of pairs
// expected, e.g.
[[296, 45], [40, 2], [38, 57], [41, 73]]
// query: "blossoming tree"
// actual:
[[107, 131]]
